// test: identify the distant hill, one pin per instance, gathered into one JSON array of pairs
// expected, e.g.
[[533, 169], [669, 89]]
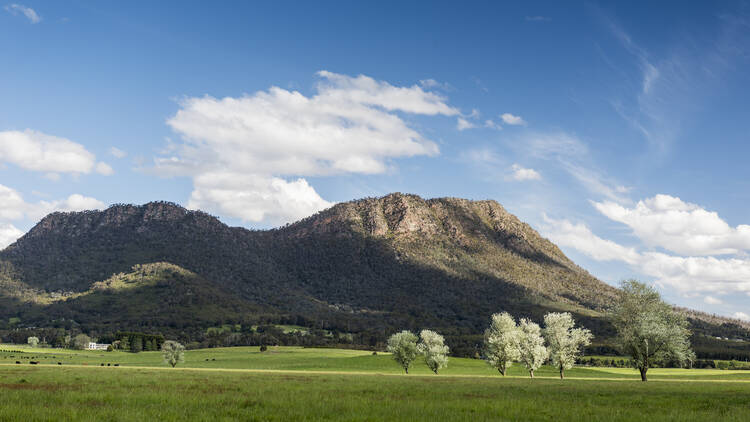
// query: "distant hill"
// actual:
[[357, 271]]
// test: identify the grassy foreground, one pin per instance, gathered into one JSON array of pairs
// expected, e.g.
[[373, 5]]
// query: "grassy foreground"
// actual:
[[242, 384]]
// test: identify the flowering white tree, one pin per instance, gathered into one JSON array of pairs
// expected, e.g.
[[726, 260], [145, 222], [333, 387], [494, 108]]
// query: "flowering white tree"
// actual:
[[173, 352], [501, 342], [403, 347], [432, 347], [563, 341], [531, 345], [33, 341]]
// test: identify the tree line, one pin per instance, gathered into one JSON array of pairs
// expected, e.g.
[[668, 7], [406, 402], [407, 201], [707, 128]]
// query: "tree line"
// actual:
[[649, 330]]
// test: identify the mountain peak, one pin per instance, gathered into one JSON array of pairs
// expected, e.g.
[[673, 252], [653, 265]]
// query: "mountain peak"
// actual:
[[115, 216]]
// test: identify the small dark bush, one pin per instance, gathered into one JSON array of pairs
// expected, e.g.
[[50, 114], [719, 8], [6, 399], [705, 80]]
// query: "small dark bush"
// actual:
[[263, 348]]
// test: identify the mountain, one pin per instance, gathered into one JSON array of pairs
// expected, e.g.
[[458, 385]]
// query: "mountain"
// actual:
[[352, 273]]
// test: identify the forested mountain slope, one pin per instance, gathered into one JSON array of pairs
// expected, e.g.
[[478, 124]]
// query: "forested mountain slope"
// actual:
[[363, 268]]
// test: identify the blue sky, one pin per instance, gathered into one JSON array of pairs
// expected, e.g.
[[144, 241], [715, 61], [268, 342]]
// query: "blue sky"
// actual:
[[618, 130]]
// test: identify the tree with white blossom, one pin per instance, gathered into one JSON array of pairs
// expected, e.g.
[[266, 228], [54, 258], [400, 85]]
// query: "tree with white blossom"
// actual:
[[531, 345], [433, 349], [501, 342], [403, 348], [564, 342]]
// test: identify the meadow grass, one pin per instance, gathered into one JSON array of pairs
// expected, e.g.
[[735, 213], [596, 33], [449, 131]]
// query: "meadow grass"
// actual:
[[290, 383]]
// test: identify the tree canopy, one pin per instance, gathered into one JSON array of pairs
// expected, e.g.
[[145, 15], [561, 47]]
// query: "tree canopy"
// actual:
[[501, 342], [403, 347], [563, 341], [649, 330]]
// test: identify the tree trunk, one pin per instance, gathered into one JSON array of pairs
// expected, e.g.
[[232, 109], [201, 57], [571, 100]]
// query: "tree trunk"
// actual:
[[531, 372], [407, 370], [502, 371], [643, 374], [561, 373]]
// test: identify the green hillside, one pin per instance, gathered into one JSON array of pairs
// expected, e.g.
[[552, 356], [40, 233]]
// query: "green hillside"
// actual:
[[351, 274]]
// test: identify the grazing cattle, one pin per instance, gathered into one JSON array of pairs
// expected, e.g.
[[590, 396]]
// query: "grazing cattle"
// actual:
[[108, 364], [59, 363], [18, 362], [101, 364], [117, 364], [33, 362]]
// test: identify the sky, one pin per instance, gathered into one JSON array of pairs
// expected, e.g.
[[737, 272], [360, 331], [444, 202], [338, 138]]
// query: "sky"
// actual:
[[619, 130]]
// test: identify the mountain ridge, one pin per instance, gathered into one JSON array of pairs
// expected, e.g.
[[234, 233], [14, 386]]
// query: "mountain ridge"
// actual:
[[364, 267]]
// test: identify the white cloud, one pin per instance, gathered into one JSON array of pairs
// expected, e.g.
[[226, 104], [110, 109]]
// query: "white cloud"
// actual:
[[14, 207], [350, 125], [712, 300], [117, 152], [579, 237], [513, 120], [520, 173], [681, 227], [8, 234], [30, 13], [741, 315], [463, 124], [255, 198], [431, 83], [492, 125], [37, 151], [104, 169], [685, 274]]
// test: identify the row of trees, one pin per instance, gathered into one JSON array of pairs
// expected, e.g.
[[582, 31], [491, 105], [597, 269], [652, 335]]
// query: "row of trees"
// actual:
[[431, 347], [649, 330], [507, 342]]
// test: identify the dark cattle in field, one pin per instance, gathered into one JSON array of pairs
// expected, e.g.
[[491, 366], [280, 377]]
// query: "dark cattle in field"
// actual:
[[59, 363], [117, 364], [18, 362], [33, 362]]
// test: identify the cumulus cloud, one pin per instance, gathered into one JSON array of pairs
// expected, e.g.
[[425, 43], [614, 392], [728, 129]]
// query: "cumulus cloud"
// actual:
[[510, 119], [252, 142], [692, 274], [520, 173], [29, 13], [8, 234], [273, 199], [712, 300], [579, 237], [681, 227], [14, 207], [32, 150]]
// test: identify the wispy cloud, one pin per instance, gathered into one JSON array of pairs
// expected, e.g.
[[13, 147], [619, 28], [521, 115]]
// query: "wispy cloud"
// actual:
[[671, 86], [29, 13]]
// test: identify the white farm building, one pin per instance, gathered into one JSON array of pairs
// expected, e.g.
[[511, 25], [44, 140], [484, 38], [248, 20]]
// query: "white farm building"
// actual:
[[98, 346]]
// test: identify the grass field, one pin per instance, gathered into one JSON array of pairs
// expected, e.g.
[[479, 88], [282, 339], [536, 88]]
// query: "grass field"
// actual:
[[328, 384]]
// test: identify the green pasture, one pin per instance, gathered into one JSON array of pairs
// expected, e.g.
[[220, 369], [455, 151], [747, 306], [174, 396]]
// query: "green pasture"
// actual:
[[290, 383], [327, 360]]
